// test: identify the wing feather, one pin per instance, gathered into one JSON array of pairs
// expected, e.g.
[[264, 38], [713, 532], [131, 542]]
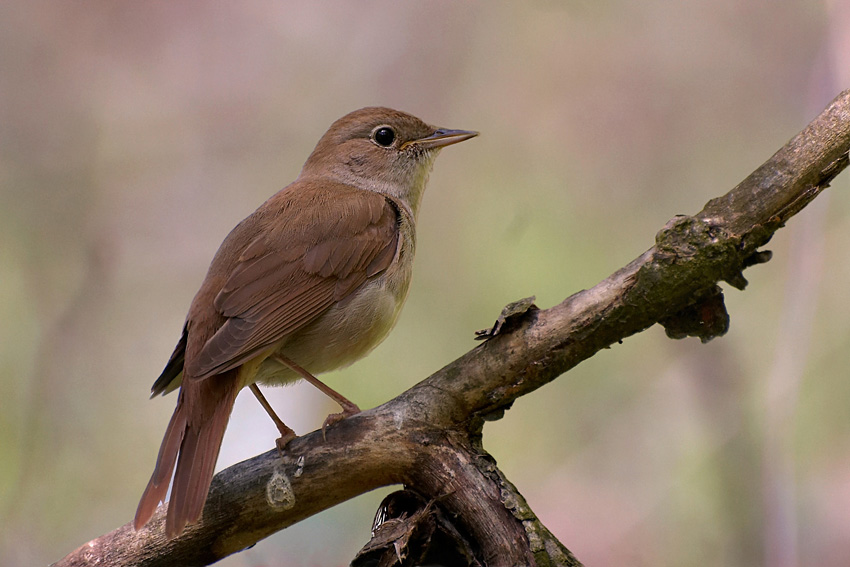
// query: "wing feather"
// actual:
[[288, 275]]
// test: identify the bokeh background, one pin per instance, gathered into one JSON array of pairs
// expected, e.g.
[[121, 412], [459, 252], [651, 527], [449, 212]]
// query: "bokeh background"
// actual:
[[134, 135]]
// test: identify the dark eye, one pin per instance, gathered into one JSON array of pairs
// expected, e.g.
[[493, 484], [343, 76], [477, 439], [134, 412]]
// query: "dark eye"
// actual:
[[384, 136]]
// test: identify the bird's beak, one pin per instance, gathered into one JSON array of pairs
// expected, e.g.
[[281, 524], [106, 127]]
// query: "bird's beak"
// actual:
[[441, 138]]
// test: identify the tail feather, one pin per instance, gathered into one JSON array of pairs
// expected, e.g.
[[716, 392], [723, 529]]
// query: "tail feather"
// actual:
[[158, 484], [195, 433]]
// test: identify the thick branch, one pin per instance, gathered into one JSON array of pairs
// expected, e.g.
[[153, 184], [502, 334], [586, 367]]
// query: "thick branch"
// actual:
[[410, 439]]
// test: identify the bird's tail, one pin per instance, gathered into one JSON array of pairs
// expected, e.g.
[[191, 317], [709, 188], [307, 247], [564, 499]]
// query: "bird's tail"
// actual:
[[192, 442]]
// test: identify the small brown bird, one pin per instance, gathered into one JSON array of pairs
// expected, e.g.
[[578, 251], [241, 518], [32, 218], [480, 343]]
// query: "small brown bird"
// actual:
[[311, 281]]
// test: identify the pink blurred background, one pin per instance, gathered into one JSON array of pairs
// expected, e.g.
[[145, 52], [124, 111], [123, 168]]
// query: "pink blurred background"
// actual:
[[133, 136]]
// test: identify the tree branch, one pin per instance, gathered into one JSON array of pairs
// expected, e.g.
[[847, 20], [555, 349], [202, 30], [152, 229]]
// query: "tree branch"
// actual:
[[429, 436]]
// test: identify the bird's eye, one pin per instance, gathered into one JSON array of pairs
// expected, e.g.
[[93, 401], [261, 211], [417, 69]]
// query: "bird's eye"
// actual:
[[384, 136]]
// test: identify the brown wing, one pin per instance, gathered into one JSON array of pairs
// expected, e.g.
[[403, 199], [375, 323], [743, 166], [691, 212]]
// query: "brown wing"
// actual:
[[296, 266]]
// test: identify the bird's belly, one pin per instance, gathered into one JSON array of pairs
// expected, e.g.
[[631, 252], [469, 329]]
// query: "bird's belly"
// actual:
[[343, 334]]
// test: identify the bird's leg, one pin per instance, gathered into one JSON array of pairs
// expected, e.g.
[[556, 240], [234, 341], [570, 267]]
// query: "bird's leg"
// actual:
[[349, 408], [286, 434]]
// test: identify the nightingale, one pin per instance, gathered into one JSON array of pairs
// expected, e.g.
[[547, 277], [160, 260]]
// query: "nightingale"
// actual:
[[310, 282]]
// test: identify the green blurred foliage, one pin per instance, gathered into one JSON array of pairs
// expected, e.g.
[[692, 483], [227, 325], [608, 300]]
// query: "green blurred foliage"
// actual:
[[133, 136]]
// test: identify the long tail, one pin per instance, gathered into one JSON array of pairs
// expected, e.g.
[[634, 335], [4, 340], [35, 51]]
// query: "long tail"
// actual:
[[192, 441]]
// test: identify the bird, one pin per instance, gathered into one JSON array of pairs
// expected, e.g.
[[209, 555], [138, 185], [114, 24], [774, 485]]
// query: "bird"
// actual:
[[311, 281]]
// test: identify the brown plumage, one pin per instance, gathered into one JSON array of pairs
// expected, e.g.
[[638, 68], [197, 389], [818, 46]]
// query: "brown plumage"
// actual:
[[316, 276]]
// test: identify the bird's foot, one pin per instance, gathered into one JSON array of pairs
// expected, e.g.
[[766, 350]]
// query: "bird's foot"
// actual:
[[348, 410], [284, 439]]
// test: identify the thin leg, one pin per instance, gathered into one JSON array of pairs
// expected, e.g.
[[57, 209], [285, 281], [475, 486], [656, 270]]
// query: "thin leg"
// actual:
[[286, 434], [349, 408]]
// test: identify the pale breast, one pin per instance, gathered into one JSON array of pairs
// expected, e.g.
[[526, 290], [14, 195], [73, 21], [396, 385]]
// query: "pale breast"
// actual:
[[346, 332]]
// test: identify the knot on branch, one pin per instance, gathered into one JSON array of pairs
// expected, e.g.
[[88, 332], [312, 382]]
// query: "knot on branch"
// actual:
[[694, 253], [689, 243], [691, 255], [706, 318]]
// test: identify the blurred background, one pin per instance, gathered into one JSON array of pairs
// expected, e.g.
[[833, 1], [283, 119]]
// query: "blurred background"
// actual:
[[135, 135]]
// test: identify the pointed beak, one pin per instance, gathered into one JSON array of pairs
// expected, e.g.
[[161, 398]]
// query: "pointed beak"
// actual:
[[440, 138]]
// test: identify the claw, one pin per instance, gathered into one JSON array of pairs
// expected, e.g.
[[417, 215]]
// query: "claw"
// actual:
[[347, 411]]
